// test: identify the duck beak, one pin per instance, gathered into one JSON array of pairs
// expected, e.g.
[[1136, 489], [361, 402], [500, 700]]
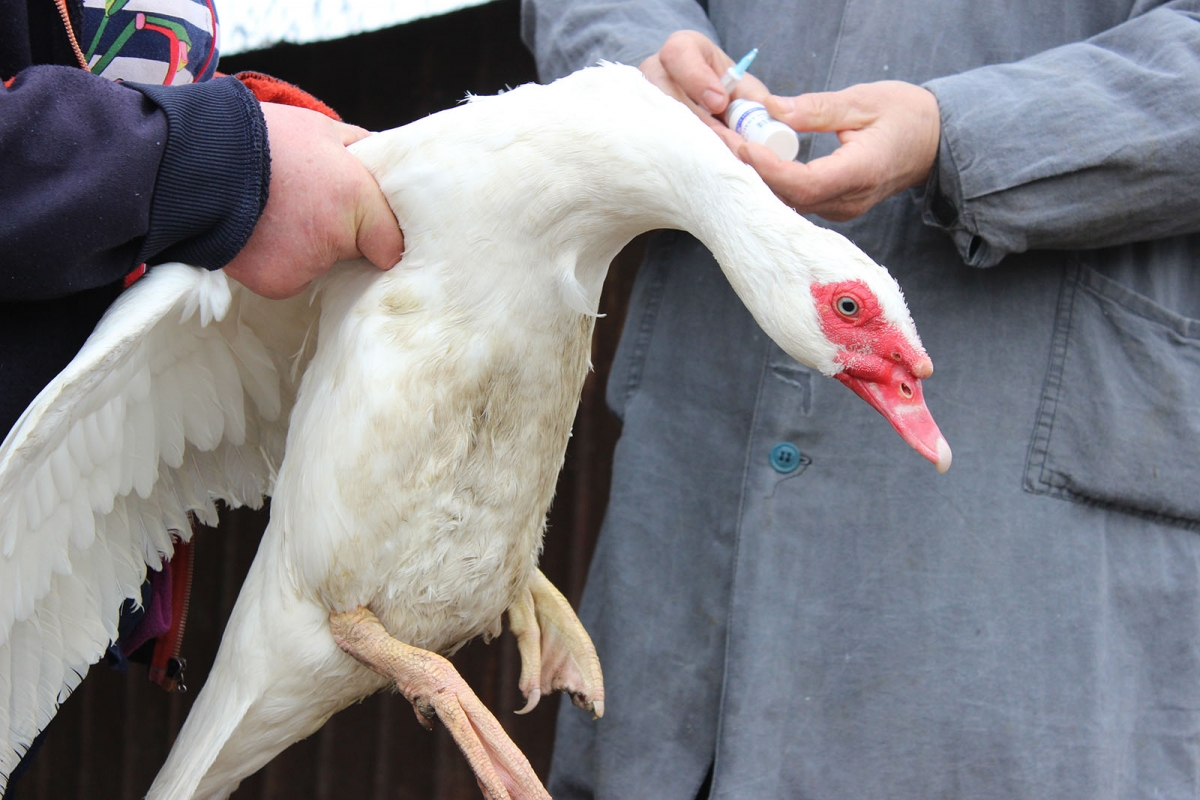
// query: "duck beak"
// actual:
[[896, 393]]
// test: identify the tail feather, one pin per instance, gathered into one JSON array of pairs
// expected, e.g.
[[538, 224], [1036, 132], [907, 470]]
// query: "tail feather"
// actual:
[[212, 721], [277, 677], [231, 734]]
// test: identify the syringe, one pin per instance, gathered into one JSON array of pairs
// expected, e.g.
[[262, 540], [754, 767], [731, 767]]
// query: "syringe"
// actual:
[[750, 119], [737, 71]]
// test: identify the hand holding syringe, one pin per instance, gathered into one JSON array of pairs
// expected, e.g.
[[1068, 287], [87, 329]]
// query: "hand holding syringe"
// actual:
[[751, 121], [736, 72], [888, 131]]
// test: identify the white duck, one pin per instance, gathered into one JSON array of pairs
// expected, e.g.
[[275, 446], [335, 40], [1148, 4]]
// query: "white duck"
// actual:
[[426, 412]]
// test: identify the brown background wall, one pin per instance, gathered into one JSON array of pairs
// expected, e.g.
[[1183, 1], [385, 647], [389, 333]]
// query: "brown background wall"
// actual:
[[111, 736]]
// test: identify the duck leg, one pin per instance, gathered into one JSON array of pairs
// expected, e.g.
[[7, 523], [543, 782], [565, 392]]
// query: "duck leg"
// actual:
[[436, 689], [556, 652]]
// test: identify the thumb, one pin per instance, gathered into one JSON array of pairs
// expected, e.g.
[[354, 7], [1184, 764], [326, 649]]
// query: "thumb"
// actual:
[[379, 238], [819, 111], [352, 133]]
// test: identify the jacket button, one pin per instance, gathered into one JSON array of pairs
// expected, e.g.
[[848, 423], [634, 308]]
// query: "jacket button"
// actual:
[[785, 457]]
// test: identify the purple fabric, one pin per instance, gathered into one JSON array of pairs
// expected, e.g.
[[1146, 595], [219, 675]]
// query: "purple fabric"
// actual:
[[157, 619]]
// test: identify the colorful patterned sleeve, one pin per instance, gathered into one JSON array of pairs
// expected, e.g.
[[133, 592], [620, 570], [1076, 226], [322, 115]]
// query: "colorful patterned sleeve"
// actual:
[[101, 176]]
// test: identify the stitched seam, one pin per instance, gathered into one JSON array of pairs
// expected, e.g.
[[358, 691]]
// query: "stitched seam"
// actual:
[[1063, 493], [1109, 291], [1039, 448], [1049, 476], [737, 557]]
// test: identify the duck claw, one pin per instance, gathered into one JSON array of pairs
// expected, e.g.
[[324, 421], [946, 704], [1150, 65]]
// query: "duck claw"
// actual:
[[531, 700], [556, 652]]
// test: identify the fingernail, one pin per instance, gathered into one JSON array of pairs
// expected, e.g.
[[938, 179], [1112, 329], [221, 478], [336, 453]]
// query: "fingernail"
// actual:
[[713, 101]]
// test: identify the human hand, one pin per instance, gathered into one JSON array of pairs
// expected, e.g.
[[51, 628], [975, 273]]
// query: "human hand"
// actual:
[[889, 133], [689, 68], [889, 130], [323, 207]]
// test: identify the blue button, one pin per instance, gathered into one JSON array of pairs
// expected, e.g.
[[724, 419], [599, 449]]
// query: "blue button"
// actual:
[[785, 457]]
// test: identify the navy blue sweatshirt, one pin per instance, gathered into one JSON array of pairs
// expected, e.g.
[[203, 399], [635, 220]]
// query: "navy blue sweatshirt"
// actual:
[[97, 177]]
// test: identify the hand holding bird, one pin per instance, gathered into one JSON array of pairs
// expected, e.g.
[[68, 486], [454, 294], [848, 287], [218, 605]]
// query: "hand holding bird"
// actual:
[[322, 207]]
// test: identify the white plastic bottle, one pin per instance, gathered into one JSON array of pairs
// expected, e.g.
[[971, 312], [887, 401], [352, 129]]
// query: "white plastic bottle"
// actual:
[[751, 121]]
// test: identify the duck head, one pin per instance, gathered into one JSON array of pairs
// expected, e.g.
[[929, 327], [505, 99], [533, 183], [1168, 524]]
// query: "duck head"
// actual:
[[822, 300], [880, 363]]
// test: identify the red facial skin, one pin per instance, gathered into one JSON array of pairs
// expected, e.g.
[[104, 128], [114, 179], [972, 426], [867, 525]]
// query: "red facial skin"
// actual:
[[881, 366]]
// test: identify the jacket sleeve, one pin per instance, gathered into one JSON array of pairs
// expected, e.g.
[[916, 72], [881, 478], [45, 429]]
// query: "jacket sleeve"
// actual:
[[98, 177], [566, 35], [1092, 144]]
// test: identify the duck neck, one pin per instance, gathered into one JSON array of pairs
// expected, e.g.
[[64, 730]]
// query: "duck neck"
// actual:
[[764, 249], [712, 196]]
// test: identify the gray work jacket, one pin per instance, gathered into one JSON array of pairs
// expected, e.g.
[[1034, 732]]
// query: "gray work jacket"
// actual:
[[1026, 626]]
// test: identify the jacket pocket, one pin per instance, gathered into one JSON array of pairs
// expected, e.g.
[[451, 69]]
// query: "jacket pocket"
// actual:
[[1119, 422]]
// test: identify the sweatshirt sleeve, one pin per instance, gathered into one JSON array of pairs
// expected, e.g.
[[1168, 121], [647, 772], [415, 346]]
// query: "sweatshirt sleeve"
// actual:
[[1092, 144], [566, 35], [98, 177]]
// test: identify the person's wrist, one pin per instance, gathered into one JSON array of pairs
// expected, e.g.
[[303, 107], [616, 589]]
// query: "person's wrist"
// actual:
[[214, 175]]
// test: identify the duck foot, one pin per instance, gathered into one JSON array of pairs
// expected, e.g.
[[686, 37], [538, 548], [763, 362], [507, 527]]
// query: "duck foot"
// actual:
[[556, 652], [436, 689]]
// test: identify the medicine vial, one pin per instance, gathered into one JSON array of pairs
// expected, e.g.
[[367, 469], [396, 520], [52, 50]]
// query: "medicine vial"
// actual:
[[751, 121]]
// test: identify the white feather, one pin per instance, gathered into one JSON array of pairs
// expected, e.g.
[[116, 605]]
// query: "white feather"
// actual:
[[143, 450], [91, 468]]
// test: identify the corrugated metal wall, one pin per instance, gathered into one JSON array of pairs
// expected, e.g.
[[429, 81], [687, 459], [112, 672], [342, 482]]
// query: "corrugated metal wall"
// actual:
[[110, 738]]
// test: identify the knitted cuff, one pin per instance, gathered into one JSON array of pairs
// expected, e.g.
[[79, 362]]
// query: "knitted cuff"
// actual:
[[214, 176]]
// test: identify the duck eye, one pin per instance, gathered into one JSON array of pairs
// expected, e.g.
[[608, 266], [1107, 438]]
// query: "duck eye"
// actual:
[[847, 306]]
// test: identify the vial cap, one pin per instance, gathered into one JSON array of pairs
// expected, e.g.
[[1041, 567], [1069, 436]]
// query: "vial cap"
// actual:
[[782, 140]]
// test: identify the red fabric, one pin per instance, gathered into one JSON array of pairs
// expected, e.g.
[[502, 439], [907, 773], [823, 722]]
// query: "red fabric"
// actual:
[[134, 274], [174, 594], [272, 90]]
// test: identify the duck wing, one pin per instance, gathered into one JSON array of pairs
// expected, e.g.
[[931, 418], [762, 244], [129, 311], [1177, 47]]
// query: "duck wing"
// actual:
[[179, 398]]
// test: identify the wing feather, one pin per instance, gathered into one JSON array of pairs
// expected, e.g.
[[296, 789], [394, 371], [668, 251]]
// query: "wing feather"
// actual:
[[179, 399], [50, 674], [143, 455], [26, 664]]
